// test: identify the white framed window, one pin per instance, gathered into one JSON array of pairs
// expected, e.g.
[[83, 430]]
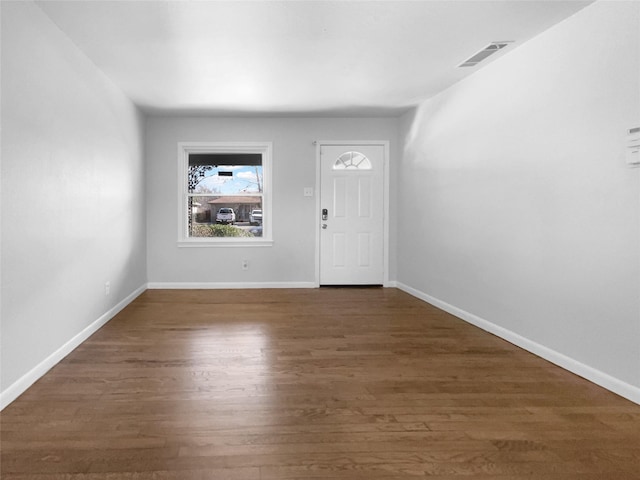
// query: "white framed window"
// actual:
[[224, 193]]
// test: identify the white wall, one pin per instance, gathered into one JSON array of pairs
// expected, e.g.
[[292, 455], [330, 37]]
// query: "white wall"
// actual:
[[517, 205], [292, 257], [72, 195]]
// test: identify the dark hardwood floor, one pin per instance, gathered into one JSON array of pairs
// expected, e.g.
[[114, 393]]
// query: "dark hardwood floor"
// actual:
[[310, 384]]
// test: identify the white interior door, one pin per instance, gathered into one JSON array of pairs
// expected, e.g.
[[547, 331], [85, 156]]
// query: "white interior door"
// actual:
[[352, 214]]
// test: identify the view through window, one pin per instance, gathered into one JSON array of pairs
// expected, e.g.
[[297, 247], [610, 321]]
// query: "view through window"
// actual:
[[224, 193]]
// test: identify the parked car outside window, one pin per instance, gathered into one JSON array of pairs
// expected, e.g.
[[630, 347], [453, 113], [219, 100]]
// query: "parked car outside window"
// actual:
[[255, 218], [226, 215]]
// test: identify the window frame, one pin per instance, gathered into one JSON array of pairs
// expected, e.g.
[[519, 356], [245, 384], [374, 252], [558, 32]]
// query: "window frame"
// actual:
[[184, 150]]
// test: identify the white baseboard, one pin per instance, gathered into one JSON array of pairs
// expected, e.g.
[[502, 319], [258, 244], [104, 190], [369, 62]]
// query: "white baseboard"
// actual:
[[598, 377], [594, 375], [23, 383], [227, 285]]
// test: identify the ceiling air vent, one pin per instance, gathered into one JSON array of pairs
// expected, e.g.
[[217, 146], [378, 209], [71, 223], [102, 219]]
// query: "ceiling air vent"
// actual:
[[487, 51]]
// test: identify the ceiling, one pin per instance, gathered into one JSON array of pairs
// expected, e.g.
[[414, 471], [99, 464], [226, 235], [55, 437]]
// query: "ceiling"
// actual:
[[294, 57]]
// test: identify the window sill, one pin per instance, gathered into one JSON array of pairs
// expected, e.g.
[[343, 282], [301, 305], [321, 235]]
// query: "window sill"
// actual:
[[224, 242]]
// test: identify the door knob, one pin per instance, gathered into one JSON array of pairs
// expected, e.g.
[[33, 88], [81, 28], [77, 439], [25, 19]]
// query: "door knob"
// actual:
[[324, 226]]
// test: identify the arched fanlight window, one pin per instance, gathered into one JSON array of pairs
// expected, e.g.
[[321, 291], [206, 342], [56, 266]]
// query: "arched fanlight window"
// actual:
[[352, 161]]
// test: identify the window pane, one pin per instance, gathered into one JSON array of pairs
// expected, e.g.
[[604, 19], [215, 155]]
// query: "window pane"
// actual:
[[352, 161], [224, 173], [225, 179], [225, 216]]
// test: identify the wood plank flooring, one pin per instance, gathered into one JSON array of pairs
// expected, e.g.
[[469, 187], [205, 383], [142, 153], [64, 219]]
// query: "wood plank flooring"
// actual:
[[310, 384]]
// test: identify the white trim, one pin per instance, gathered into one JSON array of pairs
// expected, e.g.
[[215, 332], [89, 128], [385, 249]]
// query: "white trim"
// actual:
[[385, 221], [228, 242], [316, 216], [594, 375], [226, 285], [263, 148], [23, 383]]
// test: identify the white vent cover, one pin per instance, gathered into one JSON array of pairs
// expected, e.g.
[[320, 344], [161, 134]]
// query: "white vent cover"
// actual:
[[487, 51]]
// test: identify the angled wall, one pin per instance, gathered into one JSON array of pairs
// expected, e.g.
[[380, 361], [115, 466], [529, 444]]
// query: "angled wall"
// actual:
[[72, 197], [516, 207]]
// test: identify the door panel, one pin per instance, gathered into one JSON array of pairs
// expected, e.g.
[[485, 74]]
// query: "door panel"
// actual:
[[364, 249], [351, 239], [339, 250], [364, 197], [339, 197]]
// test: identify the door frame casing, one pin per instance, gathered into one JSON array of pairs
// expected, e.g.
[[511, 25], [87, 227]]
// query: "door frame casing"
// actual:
[[385, 214]]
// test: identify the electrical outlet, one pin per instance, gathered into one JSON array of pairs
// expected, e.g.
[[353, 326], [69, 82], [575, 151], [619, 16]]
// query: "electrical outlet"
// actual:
[[107, 288], [245, 264]]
